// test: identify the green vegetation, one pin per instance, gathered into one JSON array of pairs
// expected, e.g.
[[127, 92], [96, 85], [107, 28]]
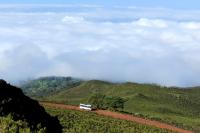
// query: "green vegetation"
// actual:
[[48, 85], [8, 125], [87, 122], [100, 101], [180, 107]]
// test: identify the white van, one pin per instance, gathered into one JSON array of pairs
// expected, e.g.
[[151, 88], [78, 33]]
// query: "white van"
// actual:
[[85, 106]]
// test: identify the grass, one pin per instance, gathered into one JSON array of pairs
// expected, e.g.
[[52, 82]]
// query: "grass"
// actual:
[[180, 107]]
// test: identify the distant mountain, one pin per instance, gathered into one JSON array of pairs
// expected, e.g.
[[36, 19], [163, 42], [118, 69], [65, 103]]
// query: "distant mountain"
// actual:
[[44, 86], [20, 107]]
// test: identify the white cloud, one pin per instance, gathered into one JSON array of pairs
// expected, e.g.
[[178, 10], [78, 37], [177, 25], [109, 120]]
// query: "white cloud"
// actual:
[[92, 44], [73, 19], [191, 25], [156, 23]]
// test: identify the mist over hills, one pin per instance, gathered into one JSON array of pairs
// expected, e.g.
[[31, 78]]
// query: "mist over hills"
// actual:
[[58, 82]]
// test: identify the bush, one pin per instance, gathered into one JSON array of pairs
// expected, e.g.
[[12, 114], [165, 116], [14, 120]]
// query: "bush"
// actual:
[[8, 125], [100, 101], [114, 103]]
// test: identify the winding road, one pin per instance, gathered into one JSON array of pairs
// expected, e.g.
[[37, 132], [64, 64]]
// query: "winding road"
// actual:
[[120, 116]]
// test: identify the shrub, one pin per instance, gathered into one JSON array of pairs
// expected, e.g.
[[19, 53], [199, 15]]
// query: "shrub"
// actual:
[[100, 101]]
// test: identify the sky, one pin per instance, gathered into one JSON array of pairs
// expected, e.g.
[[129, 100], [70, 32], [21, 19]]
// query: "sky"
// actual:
[[175, 4], [119, 41]]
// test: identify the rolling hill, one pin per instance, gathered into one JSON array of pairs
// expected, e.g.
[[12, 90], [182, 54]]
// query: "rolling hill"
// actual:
[[177, 106]]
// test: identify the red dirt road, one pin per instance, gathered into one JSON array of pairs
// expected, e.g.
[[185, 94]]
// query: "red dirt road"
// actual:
[[121, 116]]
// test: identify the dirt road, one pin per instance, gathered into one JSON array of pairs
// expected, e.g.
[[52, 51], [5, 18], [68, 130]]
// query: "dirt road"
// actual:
[[121, 116]]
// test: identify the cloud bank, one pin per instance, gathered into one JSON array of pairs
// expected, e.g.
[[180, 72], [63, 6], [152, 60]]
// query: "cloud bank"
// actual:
[[115, 45]]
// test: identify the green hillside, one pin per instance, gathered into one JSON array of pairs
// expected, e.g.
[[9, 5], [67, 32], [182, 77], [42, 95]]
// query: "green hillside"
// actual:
[[180, 107], [46, 85]]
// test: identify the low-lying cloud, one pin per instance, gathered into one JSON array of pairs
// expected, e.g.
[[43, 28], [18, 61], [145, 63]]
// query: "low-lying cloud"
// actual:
[[80, 44]]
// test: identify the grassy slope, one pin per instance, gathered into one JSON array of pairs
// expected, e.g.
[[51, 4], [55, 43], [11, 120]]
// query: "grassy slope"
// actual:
[[178, 106], [87, 122]]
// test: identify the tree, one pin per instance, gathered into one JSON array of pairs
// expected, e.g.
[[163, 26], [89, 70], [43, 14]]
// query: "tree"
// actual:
[[114, 103], [97, 100], [100, 101]]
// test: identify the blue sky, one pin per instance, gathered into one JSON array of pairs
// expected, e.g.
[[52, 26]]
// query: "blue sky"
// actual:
[[174, 4]]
